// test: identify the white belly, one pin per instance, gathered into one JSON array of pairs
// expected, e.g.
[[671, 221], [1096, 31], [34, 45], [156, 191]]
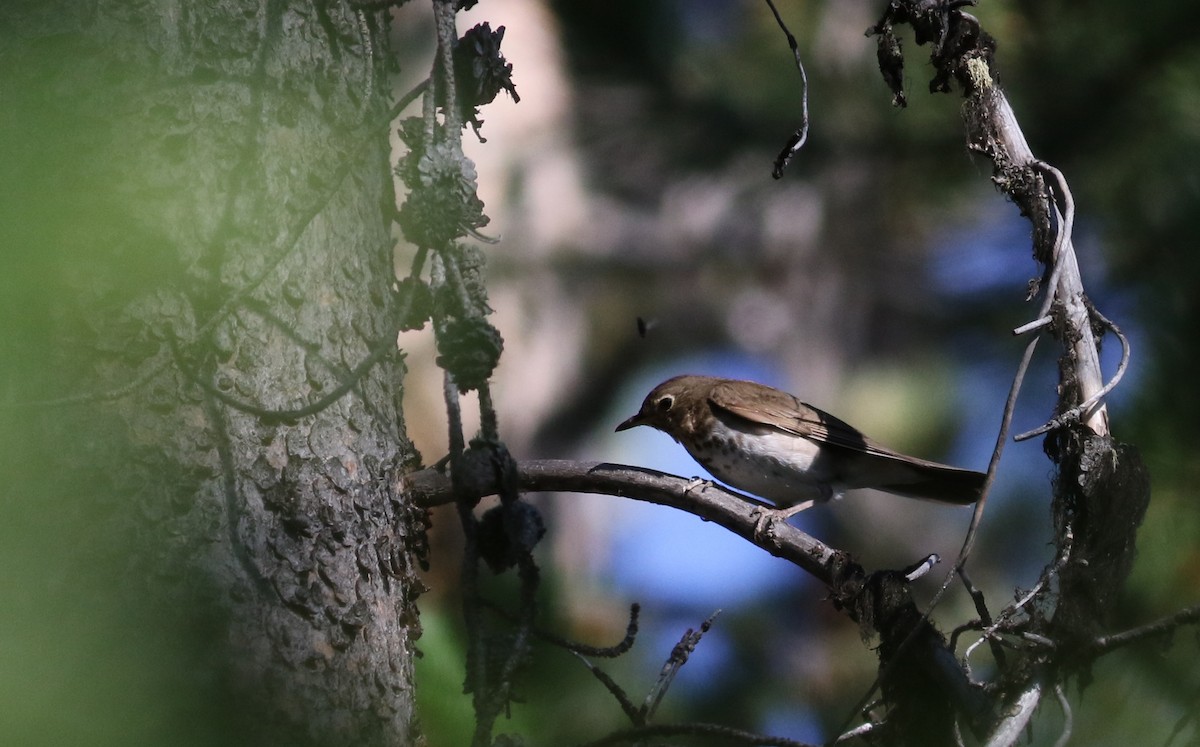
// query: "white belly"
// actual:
[[780, 467]]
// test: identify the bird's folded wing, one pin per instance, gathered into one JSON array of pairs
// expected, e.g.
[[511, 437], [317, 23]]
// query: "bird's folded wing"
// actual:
[[907, 475], [782, 411]]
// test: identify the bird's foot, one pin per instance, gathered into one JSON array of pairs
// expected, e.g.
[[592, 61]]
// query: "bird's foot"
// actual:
[[764, 524], [696, 482]]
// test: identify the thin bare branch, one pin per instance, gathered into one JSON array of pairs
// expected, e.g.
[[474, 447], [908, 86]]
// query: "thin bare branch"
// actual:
[[1033, 326], [1105, 644], [632, 712], [679, 656], [709, 501], [800, 136]]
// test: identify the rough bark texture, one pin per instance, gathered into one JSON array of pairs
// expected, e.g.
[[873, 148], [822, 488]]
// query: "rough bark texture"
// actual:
[[1101, 495], [196, 209]]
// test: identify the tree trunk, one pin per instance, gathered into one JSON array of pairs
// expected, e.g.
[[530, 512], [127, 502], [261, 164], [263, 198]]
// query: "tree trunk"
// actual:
[[200, 390]]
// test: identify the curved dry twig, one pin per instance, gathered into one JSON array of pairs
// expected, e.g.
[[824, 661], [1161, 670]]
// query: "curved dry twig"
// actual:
[[1068, 717], [800, 136], [1075, 413]]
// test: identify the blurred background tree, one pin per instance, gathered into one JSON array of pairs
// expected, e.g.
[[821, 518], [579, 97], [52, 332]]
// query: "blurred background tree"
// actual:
[[200, 381]]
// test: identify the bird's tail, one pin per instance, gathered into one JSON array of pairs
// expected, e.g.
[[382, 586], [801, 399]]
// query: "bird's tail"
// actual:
[[919, 478], [940, 483]]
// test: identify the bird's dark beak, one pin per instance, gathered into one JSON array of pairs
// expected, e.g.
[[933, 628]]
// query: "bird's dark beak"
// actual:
[[633, 422]]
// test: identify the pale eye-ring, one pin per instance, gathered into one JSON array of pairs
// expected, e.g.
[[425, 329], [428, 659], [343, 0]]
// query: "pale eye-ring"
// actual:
[[664, 403]]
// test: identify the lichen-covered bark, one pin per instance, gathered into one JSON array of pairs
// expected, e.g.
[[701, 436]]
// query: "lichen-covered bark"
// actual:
[[202, 379]]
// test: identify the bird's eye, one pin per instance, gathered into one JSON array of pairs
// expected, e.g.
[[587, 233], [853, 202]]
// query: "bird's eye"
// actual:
[[665, 403]]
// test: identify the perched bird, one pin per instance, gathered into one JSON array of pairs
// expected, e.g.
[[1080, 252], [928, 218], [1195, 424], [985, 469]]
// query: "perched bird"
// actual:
[[767, 442]]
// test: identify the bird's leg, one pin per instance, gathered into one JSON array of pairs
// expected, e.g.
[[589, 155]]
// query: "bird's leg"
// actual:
[[765, 524], [768, 516]]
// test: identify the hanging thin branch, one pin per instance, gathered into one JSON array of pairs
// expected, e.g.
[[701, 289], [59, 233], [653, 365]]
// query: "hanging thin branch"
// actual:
[[800, 136]]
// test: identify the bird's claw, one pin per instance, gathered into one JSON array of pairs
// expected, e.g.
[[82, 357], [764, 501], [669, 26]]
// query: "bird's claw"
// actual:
[[764, 524]]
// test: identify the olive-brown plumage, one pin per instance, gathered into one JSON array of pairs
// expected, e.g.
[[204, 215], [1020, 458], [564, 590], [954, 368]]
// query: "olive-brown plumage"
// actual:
[[769, 443]]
